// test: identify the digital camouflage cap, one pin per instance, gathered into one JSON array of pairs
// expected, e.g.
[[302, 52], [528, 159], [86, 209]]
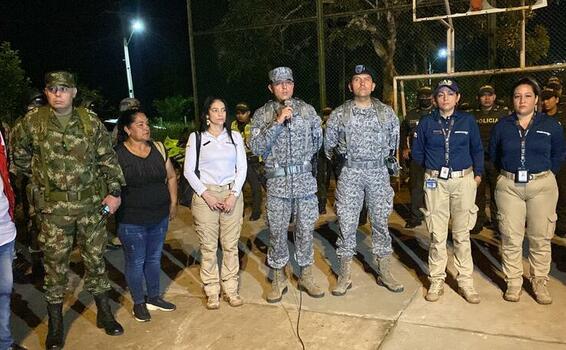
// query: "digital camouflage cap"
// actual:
[[280, 74], [60, 78]]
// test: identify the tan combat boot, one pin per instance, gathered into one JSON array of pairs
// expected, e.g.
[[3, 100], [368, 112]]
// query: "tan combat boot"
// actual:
[[344, 277], [469, 293], [541, 291], [435, 290], [278, 286], [307, 284], [385, 277], [512, 294]]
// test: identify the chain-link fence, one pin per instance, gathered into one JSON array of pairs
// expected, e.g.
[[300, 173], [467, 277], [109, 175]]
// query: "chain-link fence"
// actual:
[[235, 47]]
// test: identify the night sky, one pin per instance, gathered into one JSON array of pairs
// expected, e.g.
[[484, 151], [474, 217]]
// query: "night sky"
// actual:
[[85, 37]]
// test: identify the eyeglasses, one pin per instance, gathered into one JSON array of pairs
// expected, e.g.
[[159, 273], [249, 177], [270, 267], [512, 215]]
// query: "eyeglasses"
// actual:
[[58, 88]]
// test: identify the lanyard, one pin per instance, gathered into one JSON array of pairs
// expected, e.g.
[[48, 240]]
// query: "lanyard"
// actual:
[[523, 139], [446, 134]]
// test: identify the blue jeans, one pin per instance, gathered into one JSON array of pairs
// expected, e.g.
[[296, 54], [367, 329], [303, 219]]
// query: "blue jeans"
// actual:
[[6, 283], [142, 246]]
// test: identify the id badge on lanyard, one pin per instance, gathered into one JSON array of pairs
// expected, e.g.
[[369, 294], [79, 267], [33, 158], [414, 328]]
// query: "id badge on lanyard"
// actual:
[[522, 173], [444, 172]]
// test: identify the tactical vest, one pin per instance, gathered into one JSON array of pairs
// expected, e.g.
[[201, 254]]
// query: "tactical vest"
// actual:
[[41, 124], [302, 112], [347, 117]]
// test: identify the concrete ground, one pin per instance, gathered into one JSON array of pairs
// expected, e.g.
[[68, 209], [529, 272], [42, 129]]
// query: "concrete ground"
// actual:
[[367, 317]]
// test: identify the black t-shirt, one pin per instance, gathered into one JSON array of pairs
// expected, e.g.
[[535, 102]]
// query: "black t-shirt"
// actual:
[[145, 198]]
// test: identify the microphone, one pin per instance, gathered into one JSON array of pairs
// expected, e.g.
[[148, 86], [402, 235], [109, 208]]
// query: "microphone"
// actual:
[[287, 103]]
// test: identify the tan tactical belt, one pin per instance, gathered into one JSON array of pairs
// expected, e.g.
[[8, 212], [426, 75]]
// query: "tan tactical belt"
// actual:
[[453, 174], [511, 175]]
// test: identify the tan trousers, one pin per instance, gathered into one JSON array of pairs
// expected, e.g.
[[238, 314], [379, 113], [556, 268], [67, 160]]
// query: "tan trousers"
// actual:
[[210, 227], [533, 203], [453, 198]]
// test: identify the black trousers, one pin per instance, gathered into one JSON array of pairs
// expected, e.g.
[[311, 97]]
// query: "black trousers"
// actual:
[[416, 184], [252, 178], [486, 193], [561, 206]]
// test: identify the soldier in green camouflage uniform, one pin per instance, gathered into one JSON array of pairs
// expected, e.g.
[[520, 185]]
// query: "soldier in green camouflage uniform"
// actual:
[[68, 155]]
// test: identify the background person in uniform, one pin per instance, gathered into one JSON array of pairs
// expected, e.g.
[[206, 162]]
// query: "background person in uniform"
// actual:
[[7, 250], [550, 103], [447, 143], [149, 201], [30, 225], [286, 134], [416, 171], [68, 155], [528, 147], [324, 168], [487, 116], [217, 175], [243, 126], [365, 131], [555, 84]]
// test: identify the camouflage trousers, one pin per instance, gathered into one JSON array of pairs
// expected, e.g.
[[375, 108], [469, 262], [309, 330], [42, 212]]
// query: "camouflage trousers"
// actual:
[[56, 237], [353, 185], [305, 212]]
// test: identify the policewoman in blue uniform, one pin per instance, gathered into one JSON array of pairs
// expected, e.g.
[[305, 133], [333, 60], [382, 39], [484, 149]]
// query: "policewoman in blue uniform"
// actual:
[[528, 148], [447, 144]]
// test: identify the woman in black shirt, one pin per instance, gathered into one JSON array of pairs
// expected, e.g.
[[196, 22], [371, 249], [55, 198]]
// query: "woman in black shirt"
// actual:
[[148, 203]]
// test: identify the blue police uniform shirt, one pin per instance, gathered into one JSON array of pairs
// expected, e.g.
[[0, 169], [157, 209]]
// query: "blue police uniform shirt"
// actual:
[[544, 147], [465, 143]]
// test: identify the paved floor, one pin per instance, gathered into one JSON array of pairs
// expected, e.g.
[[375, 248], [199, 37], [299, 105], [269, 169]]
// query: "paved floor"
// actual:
[[367, 317]]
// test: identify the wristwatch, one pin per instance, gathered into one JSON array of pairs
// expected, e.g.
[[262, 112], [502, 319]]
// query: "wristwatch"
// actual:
[[116, 193]]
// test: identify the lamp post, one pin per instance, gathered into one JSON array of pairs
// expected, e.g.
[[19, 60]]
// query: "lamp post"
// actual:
[[137, 26], [442, 53]]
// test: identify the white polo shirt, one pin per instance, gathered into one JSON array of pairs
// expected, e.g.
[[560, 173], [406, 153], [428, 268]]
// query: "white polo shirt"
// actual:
[[221, 162]]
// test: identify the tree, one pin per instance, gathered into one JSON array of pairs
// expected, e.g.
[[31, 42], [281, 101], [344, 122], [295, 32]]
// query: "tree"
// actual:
[[14, 83], [173, 108], [93, 99]]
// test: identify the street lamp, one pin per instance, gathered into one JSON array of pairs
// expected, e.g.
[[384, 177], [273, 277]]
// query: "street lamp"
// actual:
[[442, 53], [137, 26]]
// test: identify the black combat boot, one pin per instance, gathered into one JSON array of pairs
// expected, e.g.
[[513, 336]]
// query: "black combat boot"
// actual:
[[37, 269], [104, 317], [55, 331]]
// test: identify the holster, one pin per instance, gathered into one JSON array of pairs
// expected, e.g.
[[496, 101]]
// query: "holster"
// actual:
[[36, 196]]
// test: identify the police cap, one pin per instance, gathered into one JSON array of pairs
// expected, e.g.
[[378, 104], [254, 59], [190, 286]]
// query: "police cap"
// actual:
[[242, 107], [548, 93], [449, 83], [424, 92], [486, 90]]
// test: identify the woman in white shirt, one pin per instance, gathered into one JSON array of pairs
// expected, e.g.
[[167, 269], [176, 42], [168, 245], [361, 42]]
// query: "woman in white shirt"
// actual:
[[215, 167]]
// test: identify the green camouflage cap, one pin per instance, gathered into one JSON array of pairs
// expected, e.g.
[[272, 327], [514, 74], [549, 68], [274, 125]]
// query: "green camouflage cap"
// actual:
[[60, 78], [129, 103]]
